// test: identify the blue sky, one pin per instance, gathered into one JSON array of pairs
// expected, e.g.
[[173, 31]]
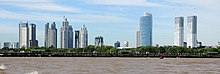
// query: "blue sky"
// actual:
[[115, 20]]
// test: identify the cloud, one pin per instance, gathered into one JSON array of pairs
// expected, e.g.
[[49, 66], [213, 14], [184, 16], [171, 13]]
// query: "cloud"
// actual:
[[37, 5], [124, 2]]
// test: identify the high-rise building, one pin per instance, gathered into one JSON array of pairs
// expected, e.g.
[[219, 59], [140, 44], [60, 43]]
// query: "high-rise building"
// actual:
[[66, 35], [52, 36], [7, 45], [179, 31], [99, 41], [83, 37], [146, 29], [126, 44], [23, 35], [117, 44], [32, 35], [138, 39], [1, 45], [46, 35], [192, 31], [77, 34]]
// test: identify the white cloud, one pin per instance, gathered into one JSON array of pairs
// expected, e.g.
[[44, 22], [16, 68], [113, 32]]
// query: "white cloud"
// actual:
[[123, 2], [45, 5]]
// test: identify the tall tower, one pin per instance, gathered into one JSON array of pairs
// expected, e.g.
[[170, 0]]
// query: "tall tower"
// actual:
[[46, 35], [52, 36], [179, 31], [66, 35], [83, 37], [137, 38], [146, 29], [99, 41], [77, 35], [32, 35], [23, 35], [192, 31]]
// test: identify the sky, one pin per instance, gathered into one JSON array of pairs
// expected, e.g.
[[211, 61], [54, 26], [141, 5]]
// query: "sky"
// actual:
[[115, 20]]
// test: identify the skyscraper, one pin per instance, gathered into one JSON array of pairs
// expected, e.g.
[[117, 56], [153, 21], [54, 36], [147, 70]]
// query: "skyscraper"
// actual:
[[46, 35], [137, 38], [99, 41], [32, 35], [23, 35], [77, 34], [66, 35], [83, 37], [192, 31], [52, 36], [146, 30], [179, 31], [117, 44]]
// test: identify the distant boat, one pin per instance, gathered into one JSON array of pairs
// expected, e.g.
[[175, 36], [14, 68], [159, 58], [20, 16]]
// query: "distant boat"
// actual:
[[34, 72], [3, 67]]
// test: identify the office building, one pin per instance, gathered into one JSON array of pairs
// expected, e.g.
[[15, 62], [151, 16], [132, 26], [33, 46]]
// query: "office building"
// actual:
[[117, 44], [52, 36], [32, 35], [7, 45], [46, 35], [23, 35], [83, 37], [66, 35], [192, 31], [99, 41], [138, 39], [77, 35], [126, 44], [179, 31], [15, 45], [146, 29]]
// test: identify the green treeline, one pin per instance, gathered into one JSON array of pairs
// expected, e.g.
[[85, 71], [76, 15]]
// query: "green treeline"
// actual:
[[109, 49]]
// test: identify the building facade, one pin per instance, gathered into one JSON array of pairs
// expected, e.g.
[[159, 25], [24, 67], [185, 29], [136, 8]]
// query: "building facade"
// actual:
[[32, 35], [138, 39], [117, 44], [83, 37], [99, 41], [192, 31], [66, 35], [146, 29], [126, 44], [77, 35], [23, 35], [52, 36], [46, 35], [179, 31]]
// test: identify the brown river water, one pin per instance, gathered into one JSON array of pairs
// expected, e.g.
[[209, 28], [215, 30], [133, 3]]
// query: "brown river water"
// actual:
[[107, 65]]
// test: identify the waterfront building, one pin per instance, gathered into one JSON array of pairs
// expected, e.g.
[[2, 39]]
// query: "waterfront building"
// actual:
[[46, 35], [77, 35], [66, 35], [15, 45], [32, 35], [117, 44], [52, 36], [192, 31], [146, 29], [7, 45], [126, 44], [99, 41], [179, 31], [138, 39], [83, 37], [23, 35]]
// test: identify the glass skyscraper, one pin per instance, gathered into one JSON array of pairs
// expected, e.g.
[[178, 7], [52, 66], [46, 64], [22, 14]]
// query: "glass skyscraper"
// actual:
[[146, 29], [192, 31], [179, 31]]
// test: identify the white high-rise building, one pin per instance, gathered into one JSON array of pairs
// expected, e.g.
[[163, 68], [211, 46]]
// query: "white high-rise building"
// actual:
[[126, 44], [23, 35], [192, 31], [179, 31], [138, 39], [83, 37], [66, 35]]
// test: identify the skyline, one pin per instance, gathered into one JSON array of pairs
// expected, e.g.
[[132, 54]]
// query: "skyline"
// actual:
[[117, 20]]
